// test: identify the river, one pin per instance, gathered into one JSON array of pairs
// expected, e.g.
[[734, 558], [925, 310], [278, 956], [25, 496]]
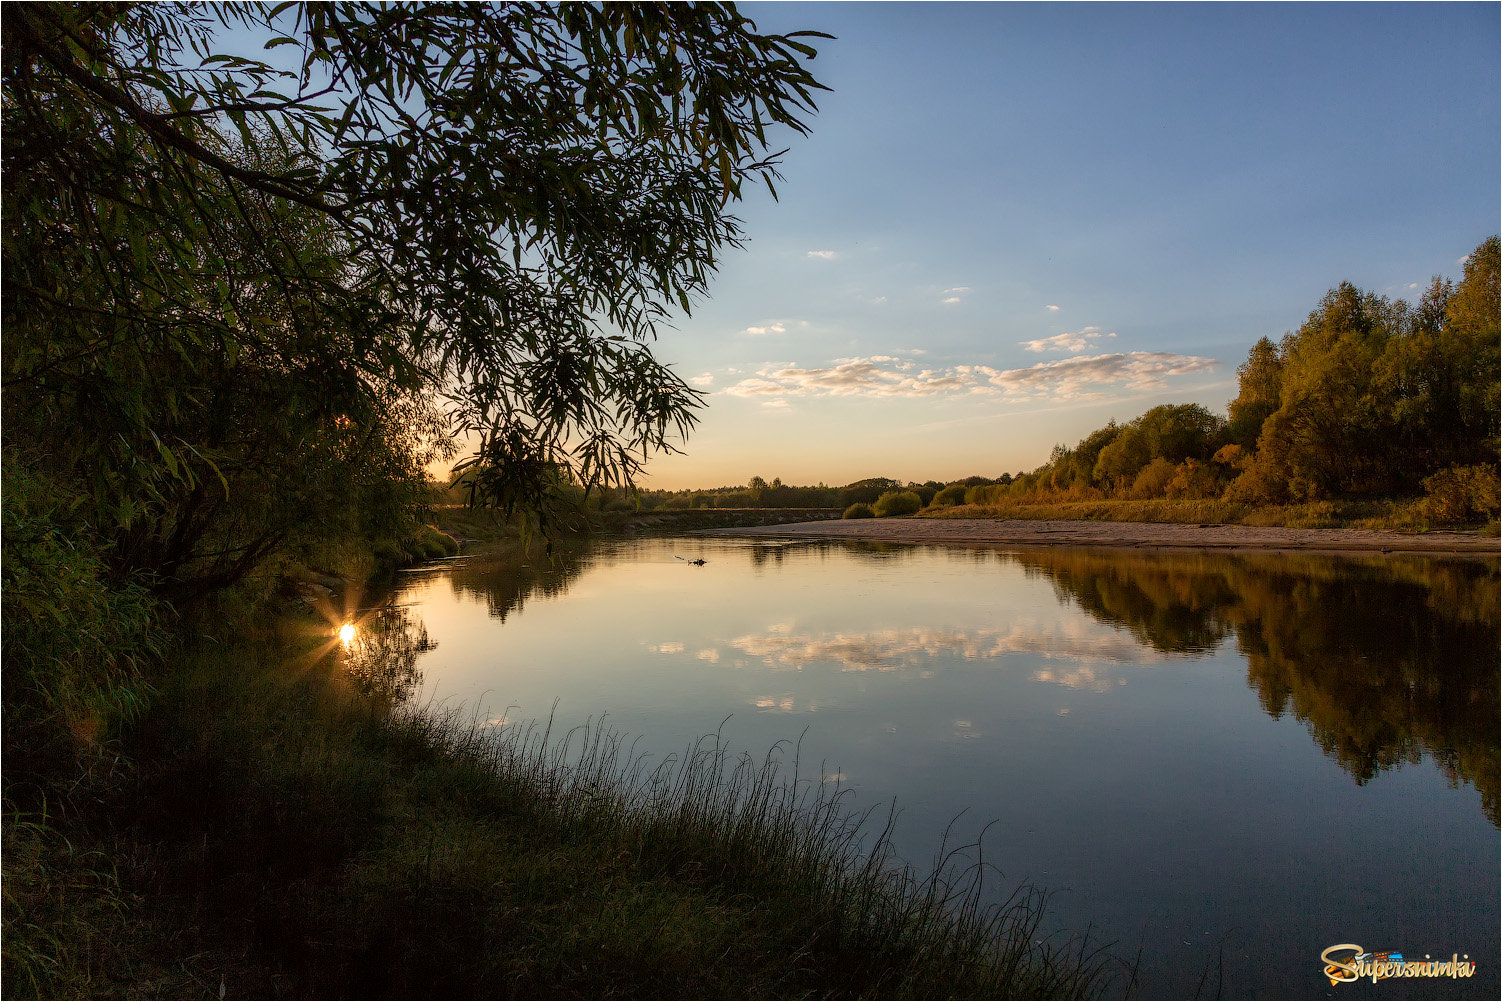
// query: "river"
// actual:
[[1223, 764]]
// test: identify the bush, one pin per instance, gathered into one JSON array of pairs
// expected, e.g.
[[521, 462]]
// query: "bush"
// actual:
[[986, 494], [952, 495], [77, 640], [897, 503], [388, 556], [859, 510], [1193, 480], [1152, 480], [1461, 494]]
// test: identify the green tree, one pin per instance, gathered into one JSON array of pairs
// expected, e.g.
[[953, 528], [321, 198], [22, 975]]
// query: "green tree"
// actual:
[[895, 503], [1441, 374], [1332, 427], [230, 288], [1261, 383]]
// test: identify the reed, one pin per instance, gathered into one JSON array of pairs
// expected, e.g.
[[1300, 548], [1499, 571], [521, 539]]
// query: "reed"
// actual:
[[761, 830]]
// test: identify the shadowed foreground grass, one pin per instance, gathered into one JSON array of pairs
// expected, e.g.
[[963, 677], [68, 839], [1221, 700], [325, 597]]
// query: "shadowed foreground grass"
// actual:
[[278, 834]]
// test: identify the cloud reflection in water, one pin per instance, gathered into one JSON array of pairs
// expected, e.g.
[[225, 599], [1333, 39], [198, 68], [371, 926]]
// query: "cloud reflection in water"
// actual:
[[888, 650]]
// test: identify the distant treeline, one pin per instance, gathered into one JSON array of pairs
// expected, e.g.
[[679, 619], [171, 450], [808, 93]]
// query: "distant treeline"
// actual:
[[758, 493], [1370, 398]]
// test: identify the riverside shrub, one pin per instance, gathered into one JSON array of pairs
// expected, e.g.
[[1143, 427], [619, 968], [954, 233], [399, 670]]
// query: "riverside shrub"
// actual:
[[952, 495], [897, 503], [859, 510]]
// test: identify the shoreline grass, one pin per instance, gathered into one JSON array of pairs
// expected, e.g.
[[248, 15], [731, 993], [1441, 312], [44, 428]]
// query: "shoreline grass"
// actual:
[[1394, 516], [279, 834]]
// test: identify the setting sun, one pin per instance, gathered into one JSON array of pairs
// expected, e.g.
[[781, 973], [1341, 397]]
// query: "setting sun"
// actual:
[[347, 634]]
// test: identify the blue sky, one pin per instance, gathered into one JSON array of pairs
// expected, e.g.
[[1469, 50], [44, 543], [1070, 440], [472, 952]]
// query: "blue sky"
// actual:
[[1013, 222]]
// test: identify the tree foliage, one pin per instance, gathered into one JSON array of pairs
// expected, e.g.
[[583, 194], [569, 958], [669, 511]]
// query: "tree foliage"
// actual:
[[242, 301], [1370, 397]]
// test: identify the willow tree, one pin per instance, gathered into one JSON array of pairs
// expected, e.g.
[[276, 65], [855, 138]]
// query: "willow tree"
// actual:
[[228, 280]]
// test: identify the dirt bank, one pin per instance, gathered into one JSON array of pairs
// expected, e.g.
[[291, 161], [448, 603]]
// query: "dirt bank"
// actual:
[[1141, 535]]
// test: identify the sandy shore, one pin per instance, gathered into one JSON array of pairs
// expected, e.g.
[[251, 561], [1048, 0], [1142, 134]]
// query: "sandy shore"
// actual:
[[1140, 535]]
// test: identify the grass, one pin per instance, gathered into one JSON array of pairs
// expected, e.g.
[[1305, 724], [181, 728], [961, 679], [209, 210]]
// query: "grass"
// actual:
[[1398, 516], [278, 834]]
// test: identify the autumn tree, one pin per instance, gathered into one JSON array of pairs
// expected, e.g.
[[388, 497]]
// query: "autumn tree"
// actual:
[[1261, 382]]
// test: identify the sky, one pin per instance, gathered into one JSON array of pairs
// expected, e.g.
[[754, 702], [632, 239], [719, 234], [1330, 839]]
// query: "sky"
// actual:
[[1011, 223]]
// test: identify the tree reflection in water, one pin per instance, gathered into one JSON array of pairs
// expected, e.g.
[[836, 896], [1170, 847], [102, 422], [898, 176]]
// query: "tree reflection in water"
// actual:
[[380, 659], [1383, 658], [506, 580]]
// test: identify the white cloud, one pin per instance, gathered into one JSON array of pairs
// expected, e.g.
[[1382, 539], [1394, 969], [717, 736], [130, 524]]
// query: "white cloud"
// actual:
[[952, 299], [1051, 308], [1462, 260], [776, 327], [1082, 377], [889, 649], [672, 647], [957, 288], [703, 380], [1069, 341], [822, 255]]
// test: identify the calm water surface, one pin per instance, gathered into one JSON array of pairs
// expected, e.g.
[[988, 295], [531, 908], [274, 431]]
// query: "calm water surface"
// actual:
[[1229, 762]]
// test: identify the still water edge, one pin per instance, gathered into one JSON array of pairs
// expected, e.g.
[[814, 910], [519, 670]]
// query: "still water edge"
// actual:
[[1226, 762]]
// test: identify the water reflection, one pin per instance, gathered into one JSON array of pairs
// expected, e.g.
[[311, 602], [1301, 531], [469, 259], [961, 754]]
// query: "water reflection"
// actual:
[[380, 654], [888, 650], [1384, 660], [1138, 724], [505, 582]]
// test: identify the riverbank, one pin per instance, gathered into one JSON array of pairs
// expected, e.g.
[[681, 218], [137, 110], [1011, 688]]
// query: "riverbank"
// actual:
[[280, 822], [1131, 535]]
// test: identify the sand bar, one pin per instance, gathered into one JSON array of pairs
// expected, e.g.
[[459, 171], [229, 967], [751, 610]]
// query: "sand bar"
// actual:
[[1135, 535]]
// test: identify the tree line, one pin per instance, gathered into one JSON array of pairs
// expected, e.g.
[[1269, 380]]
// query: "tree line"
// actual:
[[1370, 397]]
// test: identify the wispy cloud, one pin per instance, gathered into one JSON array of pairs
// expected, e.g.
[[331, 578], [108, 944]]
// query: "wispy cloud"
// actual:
[[822, 255], [953, 295], [703, 380], [1083, 376], [880, 376], [1068, 341], [1051, 308], [776, 327]]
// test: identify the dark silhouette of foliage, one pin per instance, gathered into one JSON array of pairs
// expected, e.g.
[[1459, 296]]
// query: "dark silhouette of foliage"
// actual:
[[239, 300]]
